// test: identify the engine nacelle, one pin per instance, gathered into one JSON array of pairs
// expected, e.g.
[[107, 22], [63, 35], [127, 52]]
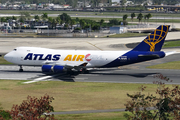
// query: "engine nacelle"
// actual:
[[52, 69]]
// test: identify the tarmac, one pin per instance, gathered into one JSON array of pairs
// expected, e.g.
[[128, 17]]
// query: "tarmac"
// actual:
[[8, 44]]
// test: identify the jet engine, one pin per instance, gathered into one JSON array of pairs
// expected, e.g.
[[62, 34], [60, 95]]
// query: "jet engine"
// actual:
[[53, 69]]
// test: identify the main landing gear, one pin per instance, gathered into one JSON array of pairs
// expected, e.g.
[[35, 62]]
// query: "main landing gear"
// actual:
[[20, 69], [84, 71]]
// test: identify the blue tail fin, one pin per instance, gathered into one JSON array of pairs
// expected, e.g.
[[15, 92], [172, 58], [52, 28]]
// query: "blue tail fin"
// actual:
[[154, 41]]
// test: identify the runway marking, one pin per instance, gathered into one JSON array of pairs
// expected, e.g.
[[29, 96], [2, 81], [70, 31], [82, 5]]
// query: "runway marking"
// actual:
[[88, 74], [120, 70], [80, 78], [94, 46]]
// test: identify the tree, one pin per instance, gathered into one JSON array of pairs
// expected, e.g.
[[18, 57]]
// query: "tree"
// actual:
[[21, 19], [65, 17], [166, 102], [82, 23], [50, 21], [77, 19], [33, 109], [145, 17], [54, 23], [123, 2], [72, 22], [125, 17], [114, 21], [44, 16], [3, 20], [5, 115], [36, 17], [58, 20], [132, 16], [95, 27], [14, 18], [139, 17], [101, 22], [26, 15], [148, 16]]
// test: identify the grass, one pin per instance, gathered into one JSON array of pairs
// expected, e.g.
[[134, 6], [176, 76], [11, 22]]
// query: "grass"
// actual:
[[171, 20], [70, 96], [86, 13], [34, 12], [92, 116], [169, 65], [168, 44], [128, 35], [4, 62]]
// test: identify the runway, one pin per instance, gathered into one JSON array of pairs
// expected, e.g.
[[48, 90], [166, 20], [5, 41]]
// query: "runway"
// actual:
[[135, 73]]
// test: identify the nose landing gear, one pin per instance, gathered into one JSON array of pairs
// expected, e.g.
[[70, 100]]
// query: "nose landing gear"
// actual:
[[20, 69]]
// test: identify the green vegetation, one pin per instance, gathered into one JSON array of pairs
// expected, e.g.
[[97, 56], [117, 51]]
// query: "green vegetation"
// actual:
[[169, 65], [166, 101], [168, 44], [135, 20], [74, 96], [128, 35], [4, 62], [92, 116], [33, 12], [70, 96]]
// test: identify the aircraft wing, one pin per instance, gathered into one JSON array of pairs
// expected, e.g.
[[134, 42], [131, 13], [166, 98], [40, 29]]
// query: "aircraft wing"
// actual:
[[69, 65]]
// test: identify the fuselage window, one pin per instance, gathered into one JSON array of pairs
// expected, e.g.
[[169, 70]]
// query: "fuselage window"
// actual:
[[15, 49]]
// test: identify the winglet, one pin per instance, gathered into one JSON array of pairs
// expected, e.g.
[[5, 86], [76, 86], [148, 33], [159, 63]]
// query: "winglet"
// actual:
[[154, 41]]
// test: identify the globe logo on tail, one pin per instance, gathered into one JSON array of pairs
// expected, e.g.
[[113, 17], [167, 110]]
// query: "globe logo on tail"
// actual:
[[157, 36]]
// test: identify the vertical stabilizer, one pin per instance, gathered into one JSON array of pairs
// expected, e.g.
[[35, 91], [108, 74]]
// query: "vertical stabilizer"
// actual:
[[154, 41]]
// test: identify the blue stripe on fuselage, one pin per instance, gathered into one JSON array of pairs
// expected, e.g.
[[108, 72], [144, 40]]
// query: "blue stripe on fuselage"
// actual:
[[134, 57]]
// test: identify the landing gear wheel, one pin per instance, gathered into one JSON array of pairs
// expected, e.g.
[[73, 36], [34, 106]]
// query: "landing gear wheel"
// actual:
[[84, 71], [20, 69], [70, 72]]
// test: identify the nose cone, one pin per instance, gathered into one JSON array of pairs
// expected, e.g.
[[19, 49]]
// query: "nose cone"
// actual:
[[8, 57]]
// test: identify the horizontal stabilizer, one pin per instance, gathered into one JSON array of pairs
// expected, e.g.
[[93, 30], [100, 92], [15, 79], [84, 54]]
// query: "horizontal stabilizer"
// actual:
[[170, 53]]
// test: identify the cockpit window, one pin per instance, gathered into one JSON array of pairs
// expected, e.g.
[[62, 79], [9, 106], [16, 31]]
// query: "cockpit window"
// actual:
[[15, 49]]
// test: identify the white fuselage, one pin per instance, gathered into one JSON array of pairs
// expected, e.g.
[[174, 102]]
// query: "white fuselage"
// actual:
[[32, 56]]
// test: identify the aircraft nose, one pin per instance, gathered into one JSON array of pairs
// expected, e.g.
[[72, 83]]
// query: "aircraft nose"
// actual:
[[8, 57]]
